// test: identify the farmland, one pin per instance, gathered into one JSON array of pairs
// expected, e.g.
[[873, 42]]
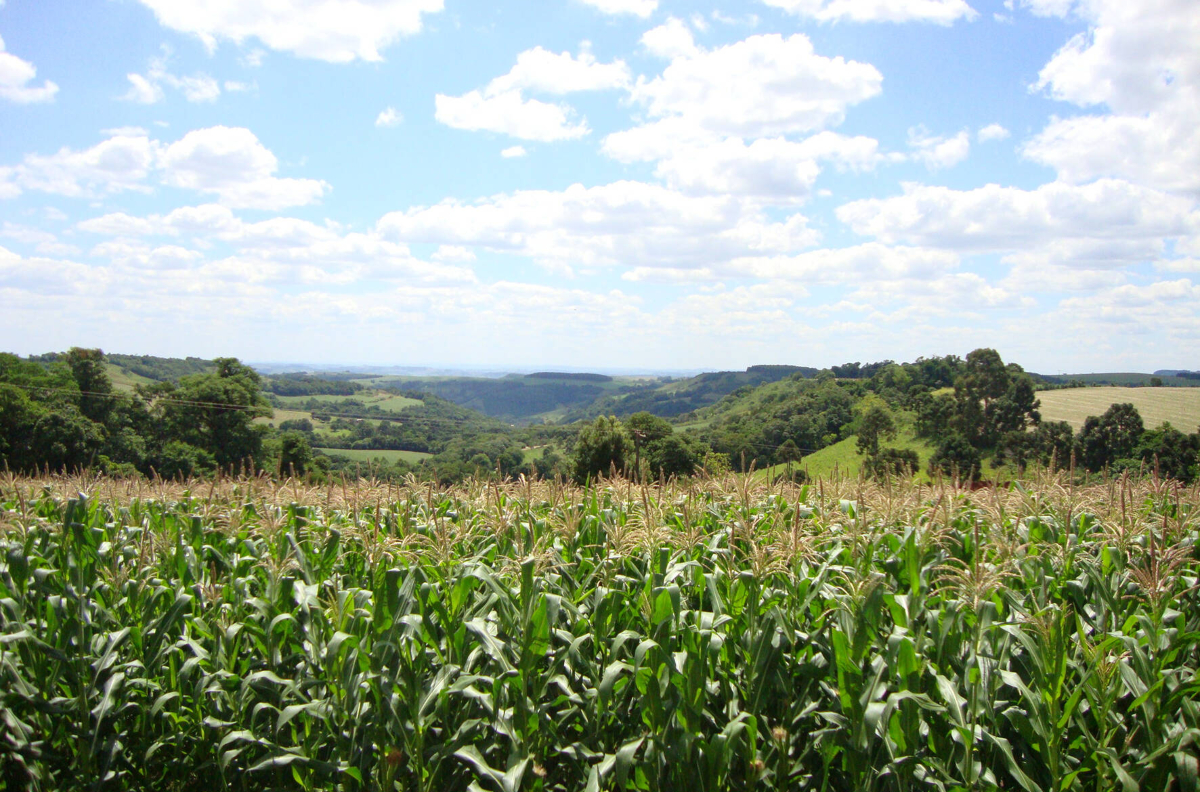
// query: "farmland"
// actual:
[[366, 455], [250, 634], [1179, 406]]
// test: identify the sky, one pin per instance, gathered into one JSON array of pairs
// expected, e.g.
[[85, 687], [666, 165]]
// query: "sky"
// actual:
[[608, 184]]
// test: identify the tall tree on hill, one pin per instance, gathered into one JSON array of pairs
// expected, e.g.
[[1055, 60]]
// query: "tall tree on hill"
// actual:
[[1110, 437], [215, 412], [95, 388], [875, 423], [601, 448], [992, 398]]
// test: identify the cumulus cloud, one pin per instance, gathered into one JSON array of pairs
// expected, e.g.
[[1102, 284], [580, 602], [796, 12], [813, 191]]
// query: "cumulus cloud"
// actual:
[[228, 162], [509, 114], [995, 218], [1141, 61], [941, 12], [502, 106], [513, 151], [148, 88], [638, 8], [760, 86], [938, 152], [991, 132], [233, 164], [389, 117], [672, 39], [623, 224], [540, 71], [337, 31], [15, 78], [723, 120], [774, 168]]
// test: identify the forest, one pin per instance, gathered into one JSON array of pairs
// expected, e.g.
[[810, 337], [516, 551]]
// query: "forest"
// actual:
[[974, 417]]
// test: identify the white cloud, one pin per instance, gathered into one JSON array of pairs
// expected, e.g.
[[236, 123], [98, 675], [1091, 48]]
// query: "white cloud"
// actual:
[[639, 8], [766, 168], [941, 12], [991, 132], [938, 152], [229, 162], [623, 224], [232, 163], [338, 31], [1160, 150], [148, 88], [513, 151], [142, 90], [453, 253], [1007, 218], [1142, 62], [389, 117], [763, 85], [540, 71], [510, 114], [502, 106], [1161, 313], [121, 162], [15, 78], [670, 40]]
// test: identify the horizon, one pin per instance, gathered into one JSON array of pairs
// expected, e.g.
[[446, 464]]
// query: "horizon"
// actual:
[[629, 185]]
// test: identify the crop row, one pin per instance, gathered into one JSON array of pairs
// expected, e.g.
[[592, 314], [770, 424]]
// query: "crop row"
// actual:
[[707, 635]]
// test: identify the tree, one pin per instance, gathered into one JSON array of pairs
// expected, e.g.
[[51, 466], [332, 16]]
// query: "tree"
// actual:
[[65, 440], [644, 429], [87, 369], [1170, 452], [991, 399], [295, 454], [601, 447], [179, 460], [215, 412], [892, 462], [18, 416], [1111, 437], [674, 455], [875, 423], [956, 456]]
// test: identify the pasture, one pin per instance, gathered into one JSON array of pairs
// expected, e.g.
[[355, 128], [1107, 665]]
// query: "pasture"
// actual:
[[368, 454], [1179, 406], [722, 634], [384, 400]]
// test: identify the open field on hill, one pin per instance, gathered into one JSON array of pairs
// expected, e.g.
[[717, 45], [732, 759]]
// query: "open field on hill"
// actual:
[[1128, 378], [1180, 406], [124, 381], [726, 634], [368, 454], [381, 399]]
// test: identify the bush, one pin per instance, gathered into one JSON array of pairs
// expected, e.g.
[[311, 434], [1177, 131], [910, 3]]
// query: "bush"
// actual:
[[956, 457], [900, 462]]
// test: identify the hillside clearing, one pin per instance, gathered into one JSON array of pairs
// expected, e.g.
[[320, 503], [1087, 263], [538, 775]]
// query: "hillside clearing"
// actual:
[[368, 454], [1179, 406]]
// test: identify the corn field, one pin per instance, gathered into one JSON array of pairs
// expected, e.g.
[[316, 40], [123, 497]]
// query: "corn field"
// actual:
[[705, 635]]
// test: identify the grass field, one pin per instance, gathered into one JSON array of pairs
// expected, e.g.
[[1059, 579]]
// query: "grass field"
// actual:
[[715, 635], [1119, 378], [1180, 406], [381, 399], [366, 455], [123, 380]]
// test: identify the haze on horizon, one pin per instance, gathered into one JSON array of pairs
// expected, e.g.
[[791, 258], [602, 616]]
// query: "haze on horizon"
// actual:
[[603, 184]]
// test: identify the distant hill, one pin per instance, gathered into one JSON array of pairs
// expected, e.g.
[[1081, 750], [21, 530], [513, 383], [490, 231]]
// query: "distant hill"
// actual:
[[679, 397], [1177, 379]]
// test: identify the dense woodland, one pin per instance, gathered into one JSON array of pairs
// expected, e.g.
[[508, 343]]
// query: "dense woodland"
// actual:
[[192, 417]]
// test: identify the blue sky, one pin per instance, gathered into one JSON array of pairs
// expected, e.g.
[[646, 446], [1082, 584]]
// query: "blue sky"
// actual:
[[603, 183]]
